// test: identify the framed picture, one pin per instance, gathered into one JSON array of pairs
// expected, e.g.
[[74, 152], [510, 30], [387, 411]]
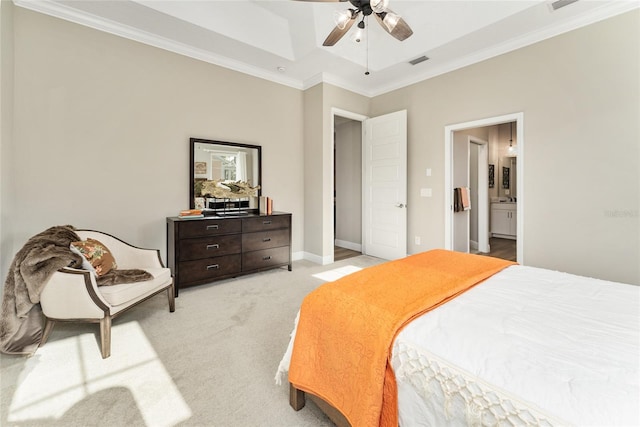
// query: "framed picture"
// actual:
[[505, 177], [200, 168], [491, 175]]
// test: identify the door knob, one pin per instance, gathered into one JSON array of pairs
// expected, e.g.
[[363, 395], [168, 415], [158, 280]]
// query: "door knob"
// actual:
[[400, 205]]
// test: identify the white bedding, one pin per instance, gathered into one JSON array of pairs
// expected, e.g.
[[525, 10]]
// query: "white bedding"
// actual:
[[526, 347], [544, 348]]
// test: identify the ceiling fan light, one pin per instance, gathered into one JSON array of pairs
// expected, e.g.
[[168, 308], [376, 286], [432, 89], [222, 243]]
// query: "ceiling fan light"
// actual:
[[390, 20], [341, 17], [357, 35], [379, 6]]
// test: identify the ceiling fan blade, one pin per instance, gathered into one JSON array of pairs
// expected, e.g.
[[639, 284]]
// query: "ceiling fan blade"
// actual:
[[337, 33], [401, 31]]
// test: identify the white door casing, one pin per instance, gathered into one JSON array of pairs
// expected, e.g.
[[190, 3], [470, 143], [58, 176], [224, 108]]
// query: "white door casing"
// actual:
[[448, 176], [460, 174], [385, 186]]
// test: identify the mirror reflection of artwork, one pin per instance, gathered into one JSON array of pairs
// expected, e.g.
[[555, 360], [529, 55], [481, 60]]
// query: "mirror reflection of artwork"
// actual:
[[491, 174], [505, 177], [200, 168]]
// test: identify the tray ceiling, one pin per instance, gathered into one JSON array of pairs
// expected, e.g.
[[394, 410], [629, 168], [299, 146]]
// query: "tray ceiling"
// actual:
[[281, 40]]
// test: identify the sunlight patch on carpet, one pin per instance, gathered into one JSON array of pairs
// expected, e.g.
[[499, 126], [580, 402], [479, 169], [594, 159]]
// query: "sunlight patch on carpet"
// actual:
[[337, 273], [64, 372]]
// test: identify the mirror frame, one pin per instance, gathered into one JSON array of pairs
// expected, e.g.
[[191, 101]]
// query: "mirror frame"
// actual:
[[192, 145]]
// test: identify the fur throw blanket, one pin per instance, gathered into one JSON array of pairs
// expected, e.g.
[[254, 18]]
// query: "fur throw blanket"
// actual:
[[21, 320], [116, 277], [20, 317]]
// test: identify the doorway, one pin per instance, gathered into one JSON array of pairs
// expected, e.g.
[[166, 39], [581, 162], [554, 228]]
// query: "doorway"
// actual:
[[347, 187], [507, 176], [383, 181], [470, 171]]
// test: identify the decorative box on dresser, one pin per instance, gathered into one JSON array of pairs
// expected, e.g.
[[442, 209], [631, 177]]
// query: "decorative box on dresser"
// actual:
[[207, 249]]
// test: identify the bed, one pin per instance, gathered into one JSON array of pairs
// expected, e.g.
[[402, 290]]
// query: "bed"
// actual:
[[522, 346]]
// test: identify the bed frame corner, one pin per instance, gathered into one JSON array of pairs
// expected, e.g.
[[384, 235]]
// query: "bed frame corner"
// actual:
[[296, 398]]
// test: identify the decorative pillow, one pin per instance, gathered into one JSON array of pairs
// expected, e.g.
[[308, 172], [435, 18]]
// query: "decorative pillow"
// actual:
[[85, 263], [97, 255]]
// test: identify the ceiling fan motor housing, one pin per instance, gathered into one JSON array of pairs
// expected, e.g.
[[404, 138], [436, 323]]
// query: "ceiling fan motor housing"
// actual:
[[363, 6]]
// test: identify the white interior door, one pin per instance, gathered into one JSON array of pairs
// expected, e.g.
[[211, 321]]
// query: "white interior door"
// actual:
[[385, 186]]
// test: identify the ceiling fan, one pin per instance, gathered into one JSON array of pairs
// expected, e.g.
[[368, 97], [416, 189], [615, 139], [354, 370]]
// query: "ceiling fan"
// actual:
[[390, 21]]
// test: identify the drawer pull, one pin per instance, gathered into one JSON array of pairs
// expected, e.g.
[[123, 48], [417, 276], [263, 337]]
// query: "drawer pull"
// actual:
[[216, 246], [212, 227], [266, 222], [266, 258], [212, 267], [266, 239]]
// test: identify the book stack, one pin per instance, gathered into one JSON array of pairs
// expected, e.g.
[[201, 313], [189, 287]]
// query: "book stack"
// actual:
[[191, 214], [265, 205]]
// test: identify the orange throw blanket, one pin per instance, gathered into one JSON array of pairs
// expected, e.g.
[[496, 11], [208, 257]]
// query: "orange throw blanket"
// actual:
[[346, 328]]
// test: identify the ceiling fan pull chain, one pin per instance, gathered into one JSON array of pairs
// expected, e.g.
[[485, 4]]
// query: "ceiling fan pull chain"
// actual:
[[366, 73]]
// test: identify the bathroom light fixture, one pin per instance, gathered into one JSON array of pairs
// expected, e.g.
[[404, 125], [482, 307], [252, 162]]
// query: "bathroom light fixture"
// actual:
[[512, 149]]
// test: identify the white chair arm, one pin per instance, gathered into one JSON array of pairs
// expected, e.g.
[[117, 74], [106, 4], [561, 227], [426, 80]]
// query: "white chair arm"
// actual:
[[72, 294], [126, 255]]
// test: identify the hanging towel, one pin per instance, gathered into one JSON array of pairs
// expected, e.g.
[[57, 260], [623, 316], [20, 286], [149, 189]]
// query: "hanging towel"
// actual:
[[457, 201], [466, 200]]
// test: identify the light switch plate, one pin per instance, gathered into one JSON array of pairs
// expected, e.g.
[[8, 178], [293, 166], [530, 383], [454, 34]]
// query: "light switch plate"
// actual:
[[425, 192]]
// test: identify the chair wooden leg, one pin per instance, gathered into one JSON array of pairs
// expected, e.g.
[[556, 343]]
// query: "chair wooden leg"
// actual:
[[105, 336], [172, 298], [48, 326]]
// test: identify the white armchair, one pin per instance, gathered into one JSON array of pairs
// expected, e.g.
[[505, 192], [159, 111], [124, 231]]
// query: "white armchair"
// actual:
[[72, 295]]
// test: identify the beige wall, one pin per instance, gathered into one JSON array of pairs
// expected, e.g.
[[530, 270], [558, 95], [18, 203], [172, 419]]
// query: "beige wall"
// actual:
[[6, 133], [98, 138], [102, 127], [580, 94], [319, 102], [313, 171]]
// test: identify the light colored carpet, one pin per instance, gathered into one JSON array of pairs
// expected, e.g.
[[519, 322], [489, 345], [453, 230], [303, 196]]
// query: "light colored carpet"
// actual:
[[210, 363]]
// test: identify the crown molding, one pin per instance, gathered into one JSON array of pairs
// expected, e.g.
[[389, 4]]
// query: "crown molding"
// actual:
[[66, 13], [606, 11], [61, 11]]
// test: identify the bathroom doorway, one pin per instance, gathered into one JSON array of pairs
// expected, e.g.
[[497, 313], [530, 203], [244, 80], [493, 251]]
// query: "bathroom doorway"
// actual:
[[504, 169]]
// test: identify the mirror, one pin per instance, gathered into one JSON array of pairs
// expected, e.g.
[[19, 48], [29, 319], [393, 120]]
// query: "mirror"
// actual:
[[507, 186], [225, 177]]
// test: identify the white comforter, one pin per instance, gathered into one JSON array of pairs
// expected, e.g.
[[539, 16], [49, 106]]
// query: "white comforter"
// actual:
[[527, 346]]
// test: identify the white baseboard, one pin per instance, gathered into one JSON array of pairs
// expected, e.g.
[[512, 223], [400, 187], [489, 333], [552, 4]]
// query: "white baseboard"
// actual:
[[348, 245], [504, 236], [297, 256], [318, 259], [473, 245]]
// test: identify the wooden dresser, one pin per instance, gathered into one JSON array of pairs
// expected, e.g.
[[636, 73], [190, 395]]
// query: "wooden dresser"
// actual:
[[211, 248]]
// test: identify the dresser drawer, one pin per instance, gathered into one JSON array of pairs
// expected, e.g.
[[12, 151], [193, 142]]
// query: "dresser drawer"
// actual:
[[265, 258], [210, 268], [265, 240], [207, 247], [208, 227], [263, 223]]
